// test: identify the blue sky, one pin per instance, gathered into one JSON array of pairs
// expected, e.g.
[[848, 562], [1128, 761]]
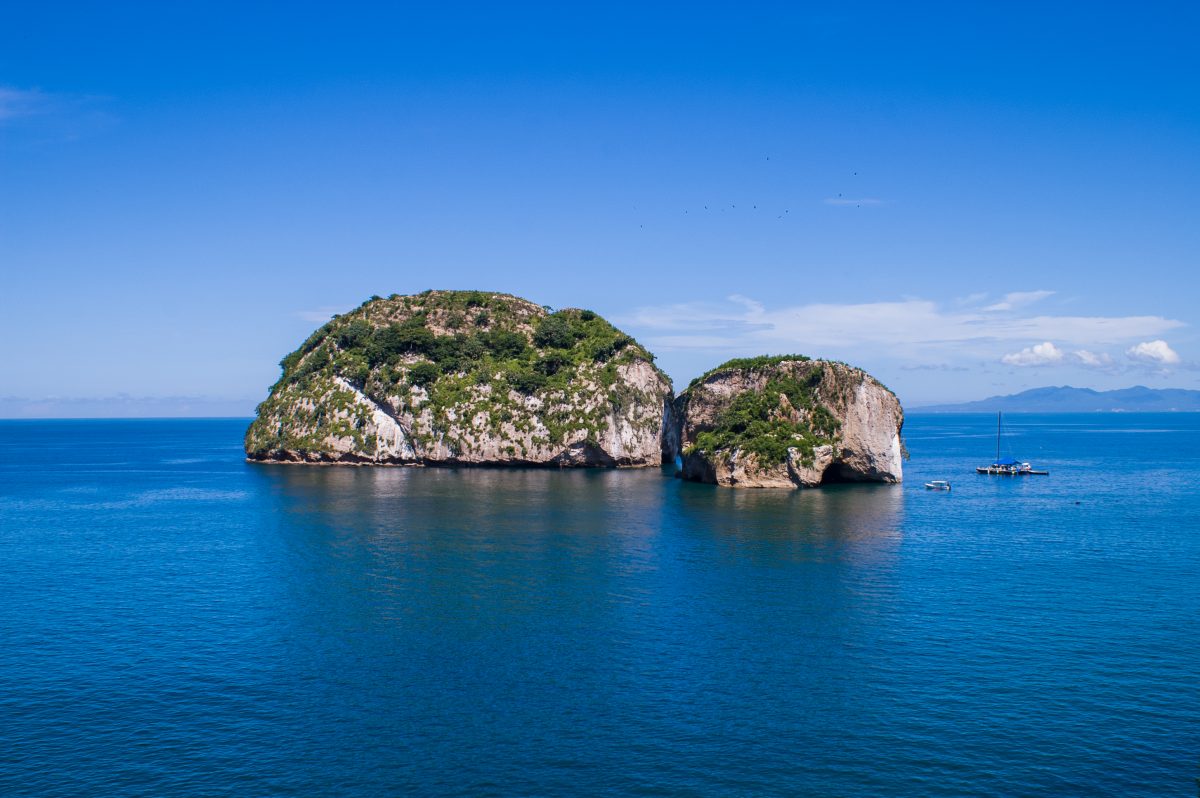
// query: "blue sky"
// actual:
[[965, 200]]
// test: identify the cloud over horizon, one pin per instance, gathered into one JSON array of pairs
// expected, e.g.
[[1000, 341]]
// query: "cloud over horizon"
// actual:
[[1043, 354], [1157, 354], [904, 327], [857, 203], [1154, 353], [53, 116], [1097, 360], [322, 314], [1018, 299], [16, 103]]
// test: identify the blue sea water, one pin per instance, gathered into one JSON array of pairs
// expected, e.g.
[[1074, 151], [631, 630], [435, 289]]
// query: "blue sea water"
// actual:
[[175, 621]]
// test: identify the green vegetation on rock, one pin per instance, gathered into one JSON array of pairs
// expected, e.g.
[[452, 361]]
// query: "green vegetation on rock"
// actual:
[[455, 361], [748, 363], [783, 414]]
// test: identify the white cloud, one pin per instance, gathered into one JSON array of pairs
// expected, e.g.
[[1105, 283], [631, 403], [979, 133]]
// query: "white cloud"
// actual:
[[1096, 360], [53, 117], [751, 306], [913, 327], [933, 367], [1018, 299], [1154, 353], [16, 103], [1043, 354], [841, 201], [321, 315]]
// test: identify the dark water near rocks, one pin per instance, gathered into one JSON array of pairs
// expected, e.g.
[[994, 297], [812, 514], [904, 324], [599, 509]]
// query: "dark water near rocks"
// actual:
[[175, 621]]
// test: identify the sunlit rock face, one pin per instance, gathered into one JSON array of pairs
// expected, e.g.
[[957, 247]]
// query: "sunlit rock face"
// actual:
[[466, 377], [788, 422]]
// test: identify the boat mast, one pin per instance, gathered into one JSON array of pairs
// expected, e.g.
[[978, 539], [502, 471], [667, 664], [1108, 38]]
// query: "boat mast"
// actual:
[[998, 415]]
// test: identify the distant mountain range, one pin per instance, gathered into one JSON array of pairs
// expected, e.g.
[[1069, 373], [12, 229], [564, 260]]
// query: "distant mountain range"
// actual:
[[1066, 399]]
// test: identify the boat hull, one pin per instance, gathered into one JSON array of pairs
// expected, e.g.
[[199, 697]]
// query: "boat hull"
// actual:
[[1010, 467]]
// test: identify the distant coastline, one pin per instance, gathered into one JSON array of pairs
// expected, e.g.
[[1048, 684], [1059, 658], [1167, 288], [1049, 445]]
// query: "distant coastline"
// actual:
[[124, 406], [1066, 399]]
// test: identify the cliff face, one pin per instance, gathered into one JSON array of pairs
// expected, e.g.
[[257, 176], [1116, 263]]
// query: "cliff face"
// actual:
[[789, 422], [465, 377]]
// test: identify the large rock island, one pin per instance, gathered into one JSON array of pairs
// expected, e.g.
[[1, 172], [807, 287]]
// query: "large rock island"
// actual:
[[788, 421], [465, 377]]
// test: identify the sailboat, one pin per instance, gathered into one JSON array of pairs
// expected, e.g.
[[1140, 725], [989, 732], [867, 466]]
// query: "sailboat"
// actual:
[[1007, 466]]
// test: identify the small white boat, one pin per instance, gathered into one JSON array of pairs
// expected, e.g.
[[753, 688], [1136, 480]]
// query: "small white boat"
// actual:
[[937, 484]]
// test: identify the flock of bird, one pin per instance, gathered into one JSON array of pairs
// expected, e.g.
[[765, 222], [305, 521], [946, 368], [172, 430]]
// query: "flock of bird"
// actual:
[[732, 206]]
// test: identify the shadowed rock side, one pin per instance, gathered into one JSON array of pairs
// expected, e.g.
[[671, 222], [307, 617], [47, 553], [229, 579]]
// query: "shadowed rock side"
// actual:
[[465, 377], [789, 422]]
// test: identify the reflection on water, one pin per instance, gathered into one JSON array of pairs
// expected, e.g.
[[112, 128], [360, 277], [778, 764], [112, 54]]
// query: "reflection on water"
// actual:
[[834, 513], [179, 622], [549, 522], [616, 595], [495, 504]]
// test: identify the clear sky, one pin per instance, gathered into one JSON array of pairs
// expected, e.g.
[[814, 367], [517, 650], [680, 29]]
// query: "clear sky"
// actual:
[[965, 199]]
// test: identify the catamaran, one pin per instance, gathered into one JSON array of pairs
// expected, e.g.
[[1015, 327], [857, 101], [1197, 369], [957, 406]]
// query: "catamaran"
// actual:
[[1007, 466]]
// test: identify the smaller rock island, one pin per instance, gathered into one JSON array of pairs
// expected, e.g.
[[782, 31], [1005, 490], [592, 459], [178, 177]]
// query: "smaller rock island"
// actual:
[[788, 421]]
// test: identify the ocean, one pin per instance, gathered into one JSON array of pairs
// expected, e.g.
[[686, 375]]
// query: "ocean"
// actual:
[[178, 622]]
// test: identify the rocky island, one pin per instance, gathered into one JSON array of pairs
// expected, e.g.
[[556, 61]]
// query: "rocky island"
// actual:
[[479, 378], [788, 421], [465, 377]]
